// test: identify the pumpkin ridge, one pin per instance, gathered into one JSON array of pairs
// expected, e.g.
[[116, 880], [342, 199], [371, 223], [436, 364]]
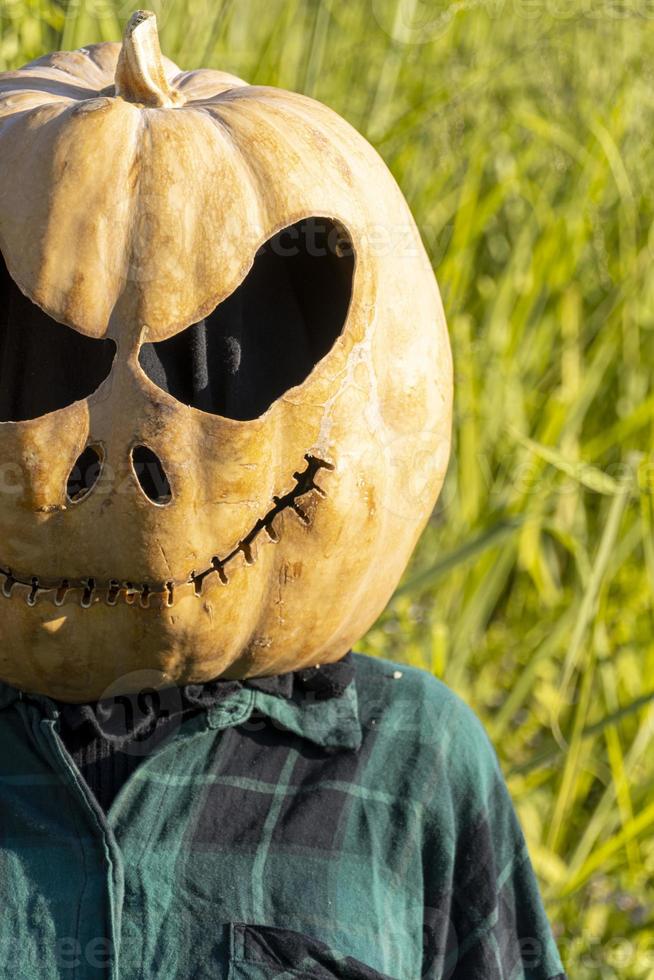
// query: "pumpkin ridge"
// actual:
[[313, 115], [222, 125], [93, 51], [68, 88], [185, 81], [317, 121]]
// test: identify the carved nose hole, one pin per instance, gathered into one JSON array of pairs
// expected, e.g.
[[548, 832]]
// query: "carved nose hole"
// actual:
[[84, 474], [151, 475]]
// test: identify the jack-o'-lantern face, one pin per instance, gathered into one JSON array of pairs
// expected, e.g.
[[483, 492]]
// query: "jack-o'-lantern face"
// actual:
[[225, 378]]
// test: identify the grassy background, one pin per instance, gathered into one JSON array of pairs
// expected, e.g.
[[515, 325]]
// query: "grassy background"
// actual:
[[521, 134]]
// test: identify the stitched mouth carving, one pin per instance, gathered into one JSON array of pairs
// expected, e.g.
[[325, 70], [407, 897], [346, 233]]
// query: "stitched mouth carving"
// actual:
[[89, 591]]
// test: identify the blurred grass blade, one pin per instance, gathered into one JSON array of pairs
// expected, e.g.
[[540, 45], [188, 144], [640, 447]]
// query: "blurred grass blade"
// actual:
[[590, 731], [584, 473]]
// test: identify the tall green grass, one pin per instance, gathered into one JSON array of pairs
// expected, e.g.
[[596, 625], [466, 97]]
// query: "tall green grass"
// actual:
[[521, 135]]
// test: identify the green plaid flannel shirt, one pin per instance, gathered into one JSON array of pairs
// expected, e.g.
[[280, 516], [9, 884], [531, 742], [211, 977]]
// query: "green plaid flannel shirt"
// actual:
[[367, 835]]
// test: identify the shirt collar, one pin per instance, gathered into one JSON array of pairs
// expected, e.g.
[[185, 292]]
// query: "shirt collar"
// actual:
[[332, 723], [317, 703]]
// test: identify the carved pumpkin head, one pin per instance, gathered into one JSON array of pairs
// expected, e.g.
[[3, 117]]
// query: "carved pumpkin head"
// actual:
[[225, 377]]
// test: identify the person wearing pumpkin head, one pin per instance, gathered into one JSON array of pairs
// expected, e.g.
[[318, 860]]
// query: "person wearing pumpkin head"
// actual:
[[225, 402]]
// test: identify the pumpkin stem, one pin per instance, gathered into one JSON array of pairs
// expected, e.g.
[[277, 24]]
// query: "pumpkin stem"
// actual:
[[140, 75]]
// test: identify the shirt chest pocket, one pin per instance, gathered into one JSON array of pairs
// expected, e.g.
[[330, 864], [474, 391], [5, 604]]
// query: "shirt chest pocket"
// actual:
[[269, 953]]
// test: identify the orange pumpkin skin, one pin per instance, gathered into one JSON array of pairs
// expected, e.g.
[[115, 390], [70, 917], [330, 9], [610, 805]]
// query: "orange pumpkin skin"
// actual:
[[136, 200]]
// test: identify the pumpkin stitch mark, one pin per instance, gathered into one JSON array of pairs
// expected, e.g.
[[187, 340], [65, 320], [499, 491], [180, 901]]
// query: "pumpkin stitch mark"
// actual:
[[140, 595], [304, 484]]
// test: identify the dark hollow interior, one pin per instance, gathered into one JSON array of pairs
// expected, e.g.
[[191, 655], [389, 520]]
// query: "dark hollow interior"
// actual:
[[270, 333], [44, 365]]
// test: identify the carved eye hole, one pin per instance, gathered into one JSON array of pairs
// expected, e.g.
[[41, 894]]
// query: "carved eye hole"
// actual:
[[151, 475], [85, 473], [270, 333], [44, 365]]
